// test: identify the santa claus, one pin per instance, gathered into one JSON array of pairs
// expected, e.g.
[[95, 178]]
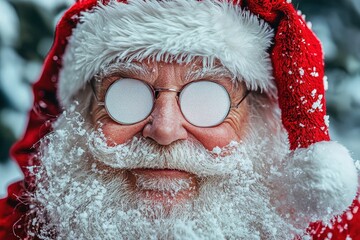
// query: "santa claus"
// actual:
[[181, 120]]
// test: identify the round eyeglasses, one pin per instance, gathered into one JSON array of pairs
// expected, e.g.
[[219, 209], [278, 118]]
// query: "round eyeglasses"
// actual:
[[203, 103]]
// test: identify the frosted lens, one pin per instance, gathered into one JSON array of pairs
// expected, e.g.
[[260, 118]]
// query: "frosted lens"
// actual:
[[204, 103], [129, 101]]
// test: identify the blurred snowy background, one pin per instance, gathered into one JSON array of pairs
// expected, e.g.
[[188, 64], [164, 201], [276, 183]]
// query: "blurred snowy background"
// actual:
[[26, 32]]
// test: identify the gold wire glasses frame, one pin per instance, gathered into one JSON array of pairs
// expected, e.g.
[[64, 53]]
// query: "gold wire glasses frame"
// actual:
[[155, 92]]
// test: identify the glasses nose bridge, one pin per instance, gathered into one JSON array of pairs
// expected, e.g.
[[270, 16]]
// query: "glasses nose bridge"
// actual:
[[157, 91], [166, 101]]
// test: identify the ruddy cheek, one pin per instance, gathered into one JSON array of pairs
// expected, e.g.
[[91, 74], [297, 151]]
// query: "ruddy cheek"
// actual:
[[116, 134], [219, 136]]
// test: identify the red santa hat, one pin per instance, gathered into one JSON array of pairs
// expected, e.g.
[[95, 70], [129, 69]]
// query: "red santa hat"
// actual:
[[265, 43]]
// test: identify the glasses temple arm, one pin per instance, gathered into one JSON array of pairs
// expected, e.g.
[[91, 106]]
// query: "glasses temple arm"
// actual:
[[242, 99]]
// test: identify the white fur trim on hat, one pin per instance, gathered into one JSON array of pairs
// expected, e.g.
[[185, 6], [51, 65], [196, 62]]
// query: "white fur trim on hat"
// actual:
[[317, 182], [168, 31]]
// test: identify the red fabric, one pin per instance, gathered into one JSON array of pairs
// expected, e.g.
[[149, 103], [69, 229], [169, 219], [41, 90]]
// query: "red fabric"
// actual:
[[298, 65], [289, 50], [12, 213], [343, 227]]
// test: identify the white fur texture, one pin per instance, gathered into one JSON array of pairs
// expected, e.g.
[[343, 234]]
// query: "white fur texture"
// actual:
[[317, 182], [169, 31]]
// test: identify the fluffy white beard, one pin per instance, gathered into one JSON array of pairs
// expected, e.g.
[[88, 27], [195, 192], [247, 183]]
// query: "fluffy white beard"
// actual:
[[81, 192]]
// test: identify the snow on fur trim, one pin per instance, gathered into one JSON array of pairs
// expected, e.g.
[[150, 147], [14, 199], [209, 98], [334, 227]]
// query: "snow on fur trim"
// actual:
[[316, 183], [168, 31]]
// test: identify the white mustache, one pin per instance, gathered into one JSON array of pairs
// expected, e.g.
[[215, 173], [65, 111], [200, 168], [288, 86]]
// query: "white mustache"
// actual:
[[186, 155]]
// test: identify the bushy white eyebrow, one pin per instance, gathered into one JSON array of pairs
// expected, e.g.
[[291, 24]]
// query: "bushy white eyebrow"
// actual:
[[139, 69], [126, 68], [215, 71]]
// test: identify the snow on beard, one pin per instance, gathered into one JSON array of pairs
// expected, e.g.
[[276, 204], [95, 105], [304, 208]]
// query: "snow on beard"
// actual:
[[82, 192]]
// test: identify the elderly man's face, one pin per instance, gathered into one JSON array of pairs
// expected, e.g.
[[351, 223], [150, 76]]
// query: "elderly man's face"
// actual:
[[162, 176], [166, 124]]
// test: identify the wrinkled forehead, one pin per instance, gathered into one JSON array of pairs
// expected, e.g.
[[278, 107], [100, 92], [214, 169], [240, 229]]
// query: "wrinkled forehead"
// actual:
[[171, 32]]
